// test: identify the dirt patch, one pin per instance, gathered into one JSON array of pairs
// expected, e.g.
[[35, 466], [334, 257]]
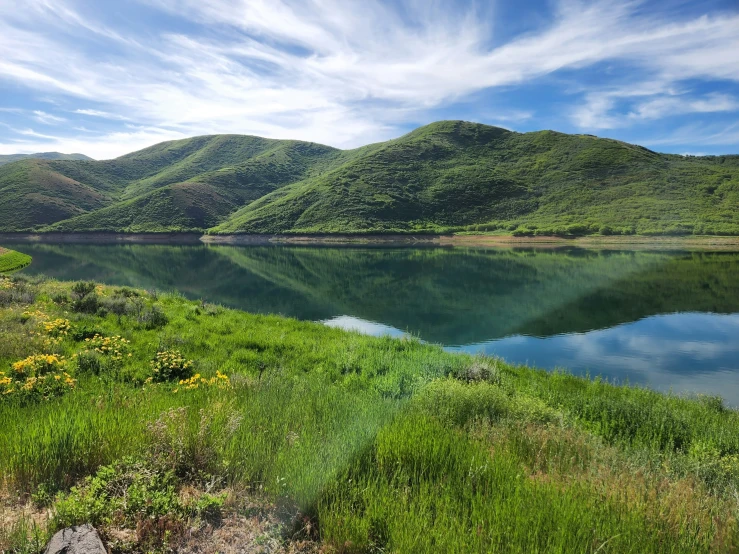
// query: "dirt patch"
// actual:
[[242, 534], [599, 242]]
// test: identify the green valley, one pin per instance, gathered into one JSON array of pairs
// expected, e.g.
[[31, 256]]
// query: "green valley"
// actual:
[[447, 177]]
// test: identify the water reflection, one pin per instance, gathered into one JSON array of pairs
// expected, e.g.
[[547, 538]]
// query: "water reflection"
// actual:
[[649, 317]]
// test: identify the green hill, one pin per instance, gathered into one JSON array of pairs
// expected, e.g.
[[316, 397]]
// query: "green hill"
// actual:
[[6, 159], [32, 194], [464, 176], [449, 176]]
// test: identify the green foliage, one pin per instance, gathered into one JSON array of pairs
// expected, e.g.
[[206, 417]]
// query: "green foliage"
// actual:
[[381, 444], [132, 494], [6, 159], [82, 289], [10, 260], [450, 176], [170, 365], [153, 318]]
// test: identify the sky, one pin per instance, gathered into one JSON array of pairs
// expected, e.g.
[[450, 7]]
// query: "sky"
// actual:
[[105, 78]]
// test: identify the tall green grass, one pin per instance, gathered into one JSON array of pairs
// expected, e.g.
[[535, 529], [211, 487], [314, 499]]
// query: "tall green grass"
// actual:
[[383, 444]]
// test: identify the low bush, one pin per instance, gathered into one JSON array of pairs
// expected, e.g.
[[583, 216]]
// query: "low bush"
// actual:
[[89, 304], [171, 365], [153, 318], [131, 494]]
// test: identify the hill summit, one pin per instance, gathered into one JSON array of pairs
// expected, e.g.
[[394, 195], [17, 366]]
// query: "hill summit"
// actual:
[[9, 158], [444, 177]]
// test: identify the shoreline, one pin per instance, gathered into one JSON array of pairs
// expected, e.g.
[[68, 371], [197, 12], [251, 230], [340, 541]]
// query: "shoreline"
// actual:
[[687, 242], [11, 261]]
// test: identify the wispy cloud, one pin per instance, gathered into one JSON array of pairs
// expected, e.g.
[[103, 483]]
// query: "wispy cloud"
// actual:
[[625, 106], [47, 118], [104, 115], [346, 72]]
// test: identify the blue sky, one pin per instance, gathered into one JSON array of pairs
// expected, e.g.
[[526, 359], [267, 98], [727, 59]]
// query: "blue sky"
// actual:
[[109, 77]]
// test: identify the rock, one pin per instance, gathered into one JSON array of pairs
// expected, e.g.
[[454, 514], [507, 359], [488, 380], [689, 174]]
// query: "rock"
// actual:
[[80, 539]]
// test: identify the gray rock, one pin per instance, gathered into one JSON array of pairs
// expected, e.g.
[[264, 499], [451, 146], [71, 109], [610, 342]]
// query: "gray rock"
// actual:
[[80, 539]]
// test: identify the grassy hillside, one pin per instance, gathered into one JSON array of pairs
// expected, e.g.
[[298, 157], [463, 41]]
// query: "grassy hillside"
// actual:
[[465, 176], [10, 260], [449, 176], [182, 426], [205, 199], [32, 194], [6, 159]]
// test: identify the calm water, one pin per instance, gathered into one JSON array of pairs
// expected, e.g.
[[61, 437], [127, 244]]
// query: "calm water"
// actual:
[[666, 320]]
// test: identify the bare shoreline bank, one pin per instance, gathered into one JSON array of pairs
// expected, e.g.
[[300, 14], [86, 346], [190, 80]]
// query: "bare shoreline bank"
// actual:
[[479, 241]]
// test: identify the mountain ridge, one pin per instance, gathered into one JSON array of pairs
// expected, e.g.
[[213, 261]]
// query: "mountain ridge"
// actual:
[[10, 158], [448, 176]]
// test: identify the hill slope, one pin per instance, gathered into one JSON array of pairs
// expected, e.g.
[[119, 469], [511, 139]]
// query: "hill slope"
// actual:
[[444, 177], [456, 175], [32, 194], [8, 158]]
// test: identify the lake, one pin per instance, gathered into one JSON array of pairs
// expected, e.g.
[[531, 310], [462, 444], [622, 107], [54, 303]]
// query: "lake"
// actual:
[[667, 320]]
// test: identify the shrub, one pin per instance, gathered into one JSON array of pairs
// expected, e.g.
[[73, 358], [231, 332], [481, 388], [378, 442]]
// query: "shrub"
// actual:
[[82, 289], [481, 369], [113, 349], [37, 377], [59, 327], [153, 318], [60, 298], [89, 304], [117, 305], [220, 380], [126, 292], [90, 362], [132, 494], [84, 332], [170, 365], [39, 364], [16, 292]]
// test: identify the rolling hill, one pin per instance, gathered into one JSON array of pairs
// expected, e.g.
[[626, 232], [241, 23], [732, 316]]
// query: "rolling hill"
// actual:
[[6, 159], [449, 176]]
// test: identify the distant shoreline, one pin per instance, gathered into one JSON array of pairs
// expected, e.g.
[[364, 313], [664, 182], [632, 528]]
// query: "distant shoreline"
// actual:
[[703, 242]]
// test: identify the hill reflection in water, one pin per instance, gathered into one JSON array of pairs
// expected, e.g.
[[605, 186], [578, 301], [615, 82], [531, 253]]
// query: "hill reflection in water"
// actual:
[[651, 317]]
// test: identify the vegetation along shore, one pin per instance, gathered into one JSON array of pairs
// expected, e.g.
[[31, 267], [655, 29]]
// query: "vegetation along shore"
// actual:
[[10, 260], [177, 425]]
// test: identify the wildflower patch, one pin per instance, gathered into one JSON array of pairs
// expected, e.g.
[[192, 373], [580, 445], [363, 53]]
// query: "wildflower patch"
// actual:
[[220, 381], [169, 365], [114, 348], [41, 376]]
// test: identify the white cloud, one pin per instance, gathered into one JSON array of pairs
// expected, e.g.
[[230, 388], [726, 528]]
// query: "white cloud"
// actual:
[[339, 71], [47, 118], [707, 135], [601, 109], [104, 115]]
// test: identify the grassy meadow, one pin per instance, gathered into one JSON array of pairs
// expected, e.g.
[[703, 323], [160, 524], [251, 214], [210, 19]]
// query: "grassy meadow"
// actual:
[[167, 422]]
